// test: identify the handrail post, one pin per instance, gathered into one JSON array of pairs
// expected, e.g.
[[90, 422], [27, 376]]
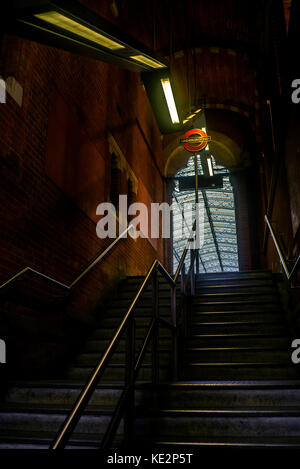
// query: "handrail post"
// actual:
[[182, 277], [174, 333], [197, 260], [129, 382], [183, 304], [155, 340], [192, 273]]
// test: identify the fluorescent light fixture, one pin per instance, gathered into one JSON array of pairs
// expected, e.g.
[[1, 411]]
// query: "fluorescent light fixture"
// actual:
[[207, 148], [185, 121], [61, 21], [204, 129], [198, 110], [170, 100], [145, 60], [210, 167]]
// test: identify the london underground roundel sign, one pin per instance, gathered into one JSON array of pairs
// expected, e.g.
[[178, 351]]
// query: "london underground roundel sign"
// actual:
[[195, 140]]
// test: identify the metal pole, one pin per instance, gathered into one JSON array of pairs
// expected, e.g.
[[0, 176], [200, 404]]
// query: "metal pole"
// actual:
[[129, 377], [196, 209], [155, 340]]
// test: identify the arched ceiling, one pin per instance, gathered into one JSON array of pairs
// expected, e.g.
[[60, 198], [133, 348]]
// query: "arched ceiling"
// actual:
[[221, 54]]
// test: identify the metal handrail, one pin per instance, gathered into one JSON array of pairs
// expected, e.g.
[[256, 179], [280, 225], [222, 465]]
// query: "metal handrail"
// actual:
[[289, 274], [89, 388], [80, 276], [85, 395]]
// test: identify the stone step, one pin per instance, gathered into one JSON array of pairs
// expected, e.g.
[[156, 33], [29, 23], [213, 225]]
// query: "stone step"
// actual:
[[101, 344], [237, 354], [91, 359], [140, 321], [64, 394], [233, 316], [42, 439], [225, 422], [246, 274], [255, 304], [189, 445], [220, 394], [108, 332], [242, 282], [238, 370], [116, 372], [50, 419], [239, 340], [254, 287], [238, 327], [252, 297]]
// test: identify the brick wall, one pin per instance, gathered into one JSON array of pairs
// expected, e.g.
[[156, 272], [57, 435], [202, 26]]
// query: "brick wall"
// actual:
[[42, 226]]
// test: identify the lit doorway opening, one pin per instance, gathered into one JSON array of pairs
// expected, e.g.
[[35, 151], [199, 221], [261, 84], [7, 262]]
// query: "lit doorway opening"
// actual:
[[219, 251]]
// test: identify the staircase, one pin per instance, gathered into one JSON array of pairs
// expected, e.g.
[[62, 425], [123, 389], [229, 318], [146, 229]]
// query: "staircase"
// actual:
[[33, 411], [238, 386]]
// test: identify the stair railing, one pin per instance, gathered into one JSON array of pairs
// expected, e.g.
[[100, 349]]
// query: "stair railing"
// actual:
[[79, 277], [125, 405], [290, 274]]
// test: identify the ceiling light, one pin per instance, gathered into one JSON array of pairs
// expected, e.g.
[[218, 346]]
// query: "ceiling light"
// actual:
[[63, 22], [161, 91], [170, 100], [145, 60], [210, 167], [72, 26]]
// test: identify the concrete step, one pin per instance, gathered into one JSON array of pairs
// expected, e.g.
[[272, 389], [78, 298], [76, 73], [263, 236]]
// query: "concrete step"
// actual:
[[246, 274], [248, 305], [254, 287], [63, 395], [143, 320], [257, 296], [50, 419], [99, 345], [255, 339], [108, 332], [220, 394], [91, 359], [238, 327], [189, 445], [239, 370], [233, 316], [242, 282], [116, 372], [198, 423], [237, 354]]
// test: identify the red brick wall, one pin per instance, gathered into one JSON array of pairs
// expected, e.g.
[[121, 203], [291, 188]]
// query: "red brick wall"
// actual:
[[40, 225]]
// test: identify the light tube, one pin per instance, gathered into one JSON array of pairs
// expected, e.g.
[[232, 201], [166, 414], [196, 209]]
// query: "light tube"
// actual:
[[170, 100], [145, 60], [63, 22], [210, 167]]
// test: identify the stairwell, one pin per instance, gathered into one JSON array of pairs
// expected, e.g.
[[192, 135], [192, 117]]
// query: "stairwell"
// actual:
[[238, 386]]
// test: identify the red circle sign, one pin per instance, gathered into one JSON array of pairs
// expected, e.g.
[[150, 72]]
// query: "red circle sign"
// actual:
[[199, 143]]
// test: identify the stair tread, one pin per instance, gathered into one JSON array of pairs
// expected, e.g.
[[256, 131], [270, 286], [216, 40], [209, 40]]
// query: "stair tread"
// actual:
[[226, 384], [53, 409], [250, 411], [242, 364], [230, 441], [231, 323]]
